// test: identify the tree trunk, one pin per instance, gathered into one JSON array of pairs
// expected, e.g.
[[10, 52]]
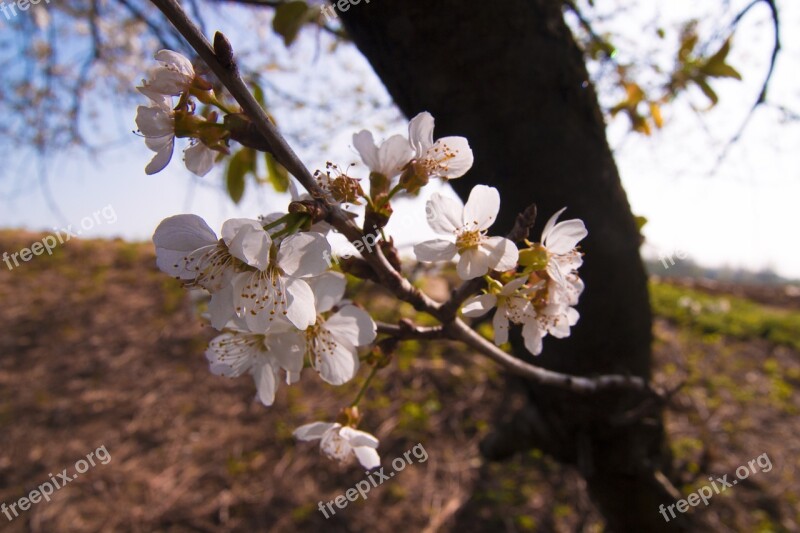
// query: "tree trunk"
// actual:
[[509, 77]]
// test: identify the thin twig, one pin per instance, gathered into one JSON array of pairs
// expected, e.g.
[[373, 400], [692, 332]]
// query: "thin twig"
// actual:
[[408, 331], [762, 95]]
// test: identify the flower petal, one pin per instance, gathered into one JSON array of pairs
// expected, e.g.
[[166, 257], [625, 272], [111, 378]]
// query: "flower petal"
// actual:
[[176, 237], [453, 157], [161, 159], [500, 325], [444, 214], [221, 308], [247, 241], [479, 305], [352, 325], [532, 334], [358, 438], [473, 264], [482, 207], [420, 133], [300, 304], [303, 254], [562, 237], [364, 143], [503, 254], [512, 286], [328, 289], [337, 362], [435, 250], [313, 431], [175, 60], [266, 378], [368, 457], [393, 155], [199, 159]]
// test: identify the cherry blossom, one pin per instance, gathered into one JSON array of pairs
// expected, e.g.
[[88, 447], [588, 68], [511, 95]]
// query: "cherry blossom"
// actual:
[[235, 353], [447, 158], [278, 287], [331, 343], [467, 228], [560, 241], [172, 77], [388, 159], [342, 442], [156, 122]]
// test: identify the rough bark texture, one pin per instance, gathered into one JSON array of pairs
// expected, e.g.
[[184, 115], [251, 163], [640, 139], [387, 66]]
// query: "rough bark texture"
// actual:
[[509, 77]]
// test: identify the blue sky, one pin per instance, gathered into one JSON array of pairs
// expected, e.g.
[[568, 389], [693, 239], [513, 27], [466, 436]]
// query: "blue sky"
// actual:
[[745, 214]]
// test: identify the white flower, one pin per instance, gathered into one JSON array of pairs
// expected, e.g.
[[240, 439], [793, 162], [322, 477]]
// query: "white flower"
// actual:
[[541, 309], [560, 240], [447, 158], [156, 123], [236, 352], [341, 442], [513, 304], [199, 158], [172, 77], [188, 249], [276, 287], [241, 271], [331, 344], [467, 226], [388, 159]]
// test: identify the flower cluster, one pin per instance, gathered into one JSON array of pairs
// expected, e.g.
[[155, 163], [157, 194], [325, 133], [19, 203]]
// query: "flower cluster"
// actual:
[[542, 296], [161, 121], [272, 297], [277, 304]]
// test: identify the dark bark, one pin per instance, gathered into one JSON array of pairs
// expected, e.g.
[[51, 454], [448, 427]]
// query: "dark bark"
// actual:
[[509, 77]]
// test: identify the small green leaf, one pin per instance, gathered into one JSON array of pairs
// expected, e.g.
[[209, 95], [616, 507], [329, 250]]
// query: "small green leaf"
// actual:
[[277, 175], [716, 67], [689, 39], [288, 20], [258, 94], [707, 90], [721, 70], [242, 163]]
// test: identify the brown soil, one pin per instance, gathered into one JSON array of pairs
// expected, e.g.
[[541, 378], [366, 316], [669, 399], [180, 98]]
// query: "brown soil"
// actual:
[[100, 349]]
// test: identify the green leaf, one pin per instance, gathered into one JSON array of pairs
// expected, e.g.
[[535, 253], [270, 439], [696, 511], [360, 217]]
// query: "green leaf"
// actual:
[[689, 39], [242, 163], [707, 90], [288, 20], [721, 70], [258, 94], [716, 67], [277, 175]]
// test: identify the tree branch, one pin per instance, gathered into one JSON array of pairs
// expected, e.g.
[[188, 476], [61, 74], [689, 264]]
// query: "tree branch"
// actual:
[[221, 61], [762, 95]]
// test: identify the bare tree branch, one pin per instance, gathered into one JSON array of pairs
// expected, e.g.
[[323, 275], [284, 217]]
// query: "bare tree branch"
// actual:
[[762, 95]]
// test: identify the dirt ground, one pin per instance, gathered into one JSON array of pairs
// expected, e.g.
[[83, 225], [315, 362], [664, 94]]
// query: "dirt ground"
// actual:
[[99, 349]]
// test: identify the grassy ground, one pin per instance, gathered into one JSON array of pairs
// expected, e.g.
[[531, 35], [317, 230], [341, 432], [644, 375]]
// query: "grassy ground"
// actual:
[[99, 349]]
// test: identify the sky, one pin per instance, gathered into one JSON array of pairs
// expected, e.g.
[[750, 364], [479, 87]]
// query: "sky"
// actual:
[[744, 214]]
